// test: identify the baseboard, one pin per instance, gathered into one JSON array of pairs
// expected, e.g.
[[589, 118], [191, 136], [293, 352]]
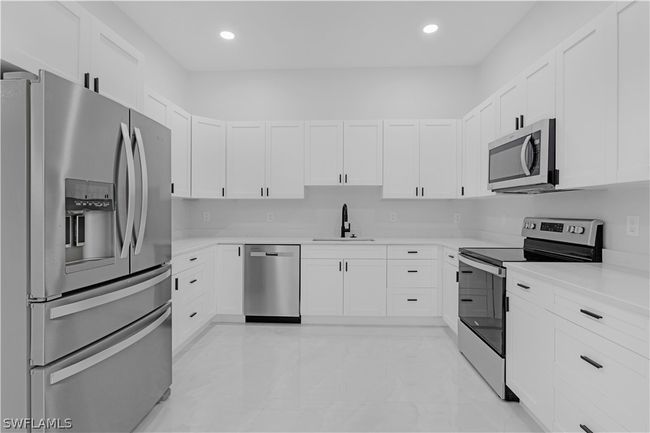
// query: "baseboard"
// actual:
[[386, 321]]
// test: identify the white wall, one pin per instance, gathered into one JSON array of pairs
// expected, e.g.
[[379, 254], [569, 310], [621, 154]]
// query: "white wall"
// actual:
[[334, 93], [545, 25], [162, 72], [319, 214]]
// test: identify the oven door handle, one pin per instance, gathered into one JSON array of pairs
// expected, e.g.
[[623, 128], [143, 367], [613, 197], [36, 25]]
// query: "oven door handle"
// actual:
[[522, 155], [494, 270]]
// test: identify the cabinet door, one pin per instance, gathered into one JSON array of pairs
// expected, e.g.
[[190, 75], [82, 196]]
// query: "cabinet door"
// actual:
[[47, 35], [230, 279], [246, 156], [118, 65], [285, 159], [180, 123], [324, 153], [364, 287], [510, 105], [439, 157], [586, 104], [402, 153], [450, 296], [321, 287], [632, 88], [530, 351], [471, 148], [156, 106], [488, 114], [538, 83], [362, 150], [208, 158]]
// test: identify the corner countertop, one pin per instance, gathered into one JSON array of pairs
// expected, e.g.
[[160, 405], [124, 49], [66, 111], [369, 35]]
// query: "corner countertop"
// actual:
[[623, 287], [186, 244]]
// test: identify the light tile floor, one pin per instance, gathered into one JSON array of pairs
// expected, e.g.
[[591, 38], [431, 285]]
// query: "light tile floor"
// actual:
[[259, 377]]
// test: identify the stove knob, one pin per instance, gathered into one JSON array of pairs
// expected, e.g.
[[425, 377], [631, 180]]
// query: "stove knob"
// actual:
[[580, 230], [572, 229], [533, 225]]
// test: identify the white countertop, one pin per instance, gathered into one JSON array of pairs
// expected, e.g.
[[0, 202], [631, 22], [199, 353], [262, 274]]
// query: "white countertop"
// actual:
[[626, 288], [183, 245]]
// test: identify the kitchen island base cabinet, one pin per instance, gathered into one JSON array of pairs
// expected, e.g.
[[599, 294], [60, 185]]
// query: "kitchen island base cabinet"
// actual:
[[230, 279], [322, 287]]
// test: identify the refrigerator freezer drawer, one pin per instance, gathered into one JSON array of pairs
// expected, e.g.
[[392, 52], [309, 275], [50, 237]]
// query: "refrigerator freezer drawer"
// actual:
[[110, 385], [67, 324]]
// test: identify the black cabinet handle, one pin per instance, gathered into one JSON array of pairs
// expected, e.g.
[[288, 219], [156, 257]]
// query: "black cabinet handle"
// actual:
[[462, 190], [412, 252], [192, 259], [193, 314], [523, 286], [176, 284], [346, 266], [422, 191], [193, 281], [96, 84], [87, 80], [516, 123], [591, 314], [261, 191], [340, 178], [340, 266], [267, 191], [238, 251], [466, 272], [412, 299], [346, 178], [172, 187], [507, 304], [456, 276], [411, 271], [521, 120], [585, 428], [223, 192], [466, 300], [416, 191], [591, 361]]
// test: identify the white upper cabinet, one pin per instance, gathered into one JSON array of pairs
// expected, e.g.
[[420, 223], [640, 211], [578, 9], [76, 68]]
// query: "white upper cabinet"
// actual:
[[401, 159], [632, 158], [538, 85], [470, 166], [156, 106], [487, 114], [362, 155], [586, 103], [118, 66], [324, 152], [246, 159], [285, 176], [440, 153], [180, 123], [510, 103], [47, 35], [208, 158]]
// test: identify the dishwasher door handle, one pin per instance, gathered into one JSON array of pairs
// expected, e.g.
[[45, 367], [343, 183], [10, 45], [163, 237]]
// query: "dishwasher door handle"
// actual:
[[270, 254]]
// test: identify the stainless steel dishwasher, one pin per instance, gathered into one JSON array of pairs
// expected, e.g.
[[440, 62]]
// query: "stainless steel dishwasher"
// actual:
[[272, 283]]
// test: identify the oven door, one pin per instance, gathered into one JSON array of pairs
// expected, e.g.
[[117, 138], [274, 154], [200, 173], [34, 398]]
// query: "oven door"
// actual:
[[481, 301], [522, 159]]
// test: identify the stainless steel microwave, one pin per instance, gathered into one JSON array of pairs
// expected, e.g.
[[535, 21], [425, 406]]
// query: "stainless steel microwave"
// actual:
[[524, 161]]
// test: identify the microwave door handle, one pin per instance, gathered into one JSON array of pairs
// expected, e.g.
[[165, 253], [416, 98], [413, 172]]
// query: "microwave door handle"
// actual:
[[144, 208], [522, 155], [130, 207]]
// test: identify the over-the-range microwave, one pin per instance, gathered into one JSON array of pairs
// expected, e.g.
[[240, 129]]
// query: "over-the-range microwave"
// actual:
[[524, 161]]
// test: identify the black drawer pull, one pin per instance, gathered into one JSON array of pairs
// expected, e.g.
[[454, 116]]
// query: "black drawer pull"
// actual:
[[193, 259], [412, 299], [175, 283], [466, 300], [585, 428], [450, 256], [412, 252], [411, 271], [193, 314], [591, 314], [466, 272], [590, 361], [523, 286], [193, 281]]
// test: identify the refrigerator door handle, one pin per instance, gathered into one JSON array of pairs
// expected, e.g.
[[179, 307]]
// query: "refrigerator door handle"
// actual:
[[87, 304], [84, 364], [144, 209], [130, 173]]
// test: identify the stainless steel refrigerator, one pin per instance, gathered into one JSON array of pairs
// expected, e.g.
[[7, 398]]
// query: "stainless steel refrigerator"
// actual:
[[86, 247]]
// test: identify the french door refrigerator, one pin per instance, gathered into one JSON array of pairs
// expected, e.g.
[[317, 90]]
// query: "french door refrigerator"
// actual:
[[86, 247]]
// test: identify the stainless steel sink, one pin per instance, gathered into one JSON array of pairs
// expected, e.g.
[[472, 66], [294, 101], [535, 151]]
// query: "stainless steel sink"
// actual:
[[335, 239]]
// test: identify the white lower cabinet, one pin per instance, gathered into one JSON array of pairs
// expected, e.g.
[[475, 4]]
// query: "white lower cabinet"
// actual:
[[364, 287], [450, 289], [412, 280], [321, 287], [230, 279], [193, 294]]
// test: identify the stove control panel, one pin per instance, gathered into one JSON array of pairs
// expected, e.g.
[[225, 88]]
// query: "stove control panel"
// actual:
[[577, 231]]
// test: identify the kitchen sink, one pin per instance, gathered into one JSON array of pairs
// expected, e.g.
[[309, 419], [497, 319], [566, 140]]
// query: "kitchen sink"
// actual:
[[339, 239]]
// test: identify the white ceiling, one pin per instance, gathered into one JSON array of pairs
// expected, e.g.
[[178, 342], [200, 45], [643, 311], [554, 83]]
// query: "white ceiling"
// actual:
[[344, 34]]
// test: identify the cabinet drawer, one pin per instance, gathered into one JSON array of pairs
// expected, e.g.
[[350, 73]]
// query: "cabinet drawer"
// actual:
[[189, 318], [627, 329], [412, 252], [451, 256], [337, 251], [413, 303], [188, 285], [412, 273], [614, 378], [186, 261], [533, 290]]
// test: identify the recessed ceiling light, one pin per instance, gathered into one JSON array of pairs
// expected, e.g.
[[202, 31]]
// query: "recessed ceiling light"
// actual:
[[227, 35], [430, 28]]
